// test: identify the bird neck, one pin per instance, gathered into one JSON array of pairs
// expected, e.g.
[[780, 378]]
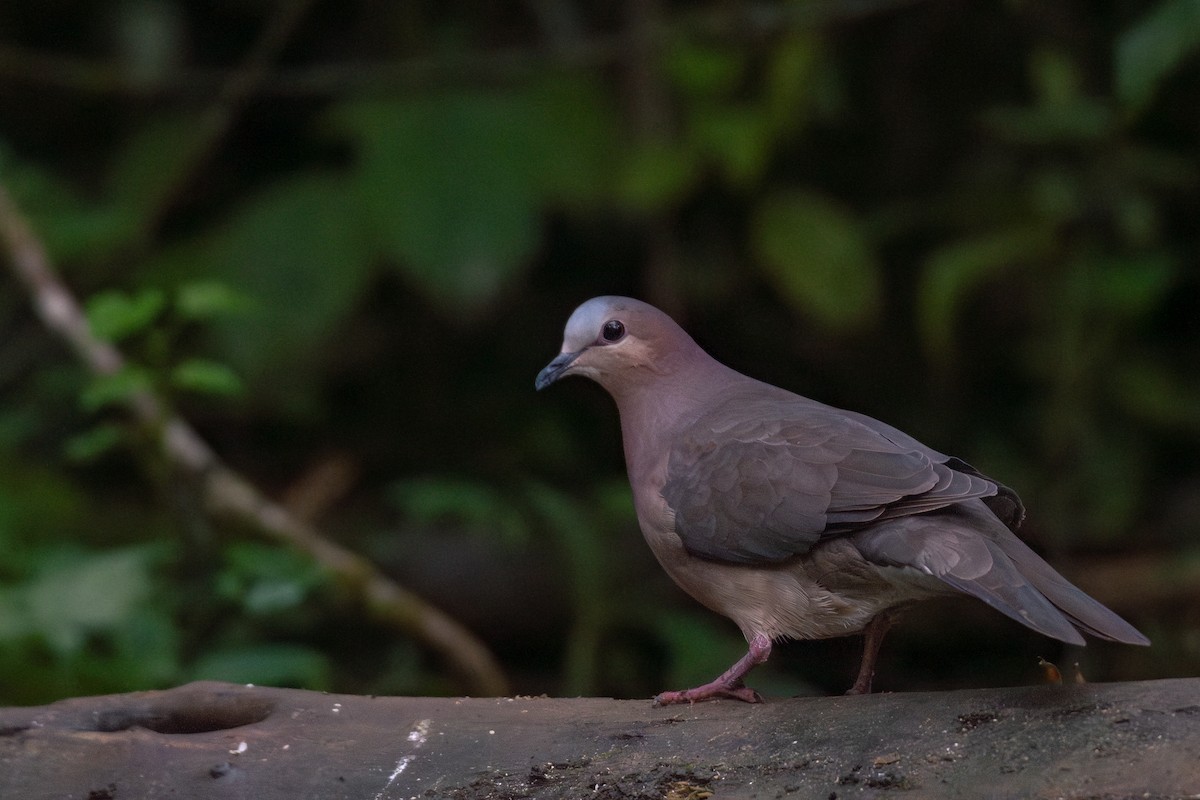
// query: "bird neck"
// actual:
[[653, 411]]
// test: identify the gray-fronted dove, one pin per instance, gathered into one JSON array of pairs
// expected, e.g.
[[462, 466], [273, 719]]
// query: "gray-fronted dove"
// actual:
[[796, 519]]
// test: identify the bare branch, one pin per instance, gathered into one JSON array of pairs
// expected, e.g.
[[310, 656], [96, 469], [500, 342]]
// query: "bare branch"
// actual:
[[226, 494]]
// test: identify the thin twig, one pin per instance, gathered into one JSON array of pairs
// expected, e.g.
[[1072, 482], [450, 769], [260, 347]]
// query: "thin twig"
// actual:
[[752, 23], [218, 119], [226, 494]]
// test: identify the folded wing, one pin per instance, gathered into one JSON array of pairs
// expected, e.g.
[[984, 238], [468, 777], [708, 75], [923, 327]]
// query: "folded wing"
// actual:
[[759, 480]]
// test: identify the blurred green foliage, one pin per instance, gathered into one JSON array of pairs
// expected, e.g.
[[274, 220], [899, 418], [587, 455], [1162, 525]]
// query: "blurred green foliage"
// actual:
[[976, 221]]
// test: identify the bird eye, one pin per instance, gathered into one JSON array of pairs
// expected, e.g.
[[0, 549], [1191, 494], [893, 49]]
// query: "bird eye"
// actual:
[[613, 330]]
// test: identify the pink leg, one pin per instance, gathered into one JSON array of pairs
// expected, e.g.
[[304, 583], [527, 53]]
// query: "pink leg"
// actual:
[[730, 683], [873, 638]]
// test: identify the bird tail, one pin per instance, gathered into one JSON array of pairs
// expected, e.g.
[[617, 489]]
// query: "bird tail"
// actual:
[[1007, 589], [1082, 610], [969, 549]]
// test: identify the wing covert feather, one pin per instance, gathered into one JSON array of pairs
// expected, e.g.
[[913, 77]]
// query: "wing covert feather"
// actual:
[[752, 482]]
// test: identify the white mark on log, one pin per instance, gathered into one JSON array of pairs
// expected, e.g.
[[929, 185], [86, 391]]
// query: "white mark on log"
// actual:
[[418, 736]]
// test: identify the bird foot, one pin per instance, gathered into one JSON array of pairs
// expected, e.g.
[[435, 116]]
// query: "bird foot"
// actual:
[[862, 685], [709, 691]]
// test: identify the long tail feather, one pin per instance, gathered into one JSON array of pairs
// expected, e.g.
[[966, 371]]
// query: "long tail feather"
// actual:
[[1083, 611], [968, 548]]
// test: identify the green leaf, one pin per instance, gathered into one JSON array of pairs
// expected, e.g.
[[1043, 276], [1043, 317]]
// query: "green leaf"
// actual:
[[32, 501], [147, 648], [817, 256], [952, 272], [1154, 48], [1056, 196], [1081, 121], [297, 252], [704, 70], [477, 506], [272, 597], [738, 139], [94, 442], [656, 175], [267, 664], [793, 82], [202, 300], [449, 184], [1055, 76], [206, 377], [249, 562], [115, 315], [97, 592], [117, 388], [271, 561], [574, 132], [1132, 286], [266, 579]]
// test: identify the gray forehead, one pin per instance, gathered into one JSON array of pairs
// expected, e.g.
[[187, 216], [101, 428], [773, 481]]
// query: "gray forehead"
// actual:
[[584, 324]]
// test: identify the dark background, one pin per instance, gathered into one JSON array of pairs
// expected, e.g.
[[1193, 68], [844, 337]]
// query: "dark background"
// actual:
[[341, 238]]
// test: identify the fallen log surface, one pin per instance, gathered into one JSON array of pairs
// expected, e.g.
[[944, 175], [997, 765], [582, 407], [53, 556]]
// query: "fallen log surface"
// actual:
[[217, 740]]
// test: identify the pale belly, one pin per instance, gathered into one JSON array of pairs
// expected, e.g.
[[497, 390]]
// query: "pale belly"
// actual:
[[827, 593], [830, 591]]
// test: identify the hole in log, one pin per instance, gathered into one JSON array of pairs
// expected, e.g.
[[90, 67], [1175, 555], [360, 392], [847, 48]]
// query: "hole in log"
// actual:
[[194, 714]]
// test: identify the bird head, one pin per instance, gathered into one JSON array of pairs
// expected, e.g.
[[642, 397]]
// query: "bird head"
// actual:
[[618, 342]]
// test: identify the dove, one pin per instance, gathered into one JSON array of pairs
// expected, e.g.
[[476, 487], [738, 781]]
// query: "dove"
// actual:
[[798, 520]]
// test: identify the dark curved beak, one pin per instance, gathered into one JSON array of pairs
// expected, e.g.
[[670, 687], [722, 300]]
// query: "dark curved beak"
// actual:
[[555, 369]]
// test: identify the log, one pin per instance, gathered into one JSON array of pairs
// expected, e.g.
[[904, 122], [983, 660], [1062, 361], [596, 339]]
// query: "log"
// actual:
[[216, 740]]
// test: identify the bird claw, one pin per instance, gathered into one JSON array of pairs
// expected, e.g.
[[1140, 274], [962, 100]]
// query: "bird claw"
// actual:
[[708, 692]]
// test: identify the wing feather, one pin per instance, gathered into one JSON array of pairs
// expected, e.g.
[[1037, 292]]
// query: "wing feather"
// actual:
[[763, 480]]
